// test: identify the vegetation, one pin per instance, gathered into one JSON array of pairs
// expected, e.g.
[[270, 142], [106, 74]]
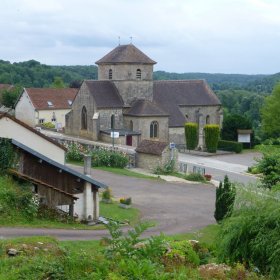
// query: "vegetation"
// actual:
[[166, 169], [10, 96], [197, 177], [191, 133], [100, 156], [270, 113], [225, 196], [231, 146], [212, 133], [7, 155], [251, 234]]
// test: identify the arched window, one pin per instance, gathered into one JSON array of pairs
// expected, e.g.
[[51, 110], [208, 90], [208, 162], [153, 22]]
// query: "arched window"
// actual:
[[84, 118], [131, 125], [110, 74], [154, 129], [138, 74], [112, 121], [207, 119]]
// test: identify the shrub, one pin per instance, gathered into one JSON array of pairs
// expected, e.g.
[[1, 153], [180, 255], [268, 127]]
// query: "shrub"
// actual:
[[74, 152], [7, 154], [109, 158], [126, 201], [107, 194], [211, 132], [168, 168], [251, 234], [230, 146], [195, 177], [225, 195], [191, 134], [48, 125]]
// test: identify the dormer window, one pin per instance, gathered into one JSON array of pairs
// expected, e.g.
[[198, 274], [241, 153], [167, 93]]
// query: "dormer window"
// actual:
[[110, 74], [138, 74], [50, 104], [69, 102]]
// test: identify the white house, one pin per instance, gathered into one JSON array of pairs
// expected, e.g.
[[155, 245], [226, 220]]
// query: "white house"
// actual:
[[36, 106]]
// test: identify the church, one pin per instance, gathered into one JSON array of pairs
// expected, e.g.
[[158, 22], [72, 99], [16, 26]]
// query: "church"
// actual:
[[127, 104]]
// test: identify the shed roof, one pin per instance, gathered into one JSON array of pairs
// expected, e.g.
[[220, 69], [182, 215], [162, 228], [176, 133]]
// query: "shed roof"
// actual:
[[6, 115], [105, 94], [51, 98], [143, 108], [58, 165], [125, 54], [170, 95], [151, 147]]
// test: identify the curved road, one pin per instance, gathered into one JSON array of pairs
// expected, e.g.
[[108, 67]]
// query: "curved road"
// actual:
[[176, 207]]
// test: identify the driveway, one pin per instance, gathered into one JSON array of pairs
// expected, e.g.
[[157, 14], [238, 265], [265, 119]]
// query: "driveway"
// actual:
[[176, 207]]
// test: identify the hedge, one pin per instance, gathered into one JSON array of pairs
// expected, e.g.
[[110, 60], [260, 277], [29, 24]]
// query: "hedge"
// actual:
[[191, 134], [211, 132], [231, 146]]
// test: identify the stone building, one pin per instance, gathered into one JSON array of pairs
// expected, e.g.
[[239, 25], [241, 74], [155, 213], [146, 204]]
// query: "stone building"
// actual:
[[125, 99]]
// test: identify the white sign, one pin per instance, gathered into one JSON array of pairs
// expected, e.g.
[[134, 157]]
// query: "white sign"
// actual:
[[244, 138], [115, 134], [172, 145]]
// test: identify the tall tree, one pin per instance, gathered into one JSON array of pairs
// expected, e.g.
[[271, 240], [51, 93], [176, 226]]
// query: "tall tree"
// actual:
[[271, 113], [58, 83]]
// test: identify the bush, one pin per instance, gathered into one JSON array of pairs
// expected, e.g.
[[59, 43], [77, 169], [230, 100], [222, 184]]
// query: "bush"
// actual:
[[195, 177], [230, 146], [168, 168], [109, 158], [191, 134], [126, 201], [74, 152], [251, 235], [7, 154], [107, 194], [225, 195], [211, 132], [48, 125]]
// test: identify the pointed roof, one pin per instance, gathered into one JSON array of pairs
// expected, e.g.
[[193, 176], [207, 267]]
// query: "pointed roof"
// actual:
[[171, 95], [143, 108], [125, 54], [151, 147], [52, 98], [105, 94]]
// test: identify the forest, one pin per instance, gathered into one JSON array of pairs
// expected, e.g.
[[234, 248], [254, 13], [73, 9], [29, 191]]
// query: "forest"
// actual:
[[240, 94]]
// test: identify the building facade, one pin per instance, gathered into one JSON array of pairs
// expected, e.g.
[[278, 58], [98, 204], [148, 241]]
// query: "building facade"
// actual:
[[125, 99]]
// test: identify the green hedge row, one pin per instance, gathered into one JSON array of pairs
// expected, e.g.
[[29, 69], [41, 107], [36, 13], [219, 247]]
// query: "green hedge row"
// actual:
[[191, 133], [230, 146], [212, 132]]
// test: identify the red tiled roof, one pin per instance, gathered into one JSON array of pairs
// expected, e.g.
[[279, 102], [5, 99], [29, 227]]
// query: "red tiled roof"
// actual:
[[57, 98]]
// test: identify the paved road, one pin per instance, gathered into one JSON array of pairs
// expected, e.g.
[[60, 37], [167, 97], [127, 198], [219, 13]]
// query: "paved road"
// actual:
[[177, 207], [233, 165]]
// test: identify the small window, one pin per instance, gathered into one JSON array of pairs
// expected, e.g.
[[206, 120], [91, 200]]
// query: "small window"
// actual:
[[69, 102], [208, 119], [41, 121], [154, 129], [112, 121], [50, 104], [84, 118], [131, 125], [138, 74], [53, 117], [110, 74], [187, 117]]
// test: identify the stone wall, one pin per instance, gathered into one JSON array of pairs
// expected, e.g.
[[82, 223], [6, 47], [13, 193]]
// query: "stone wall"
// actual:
[[125, 71]]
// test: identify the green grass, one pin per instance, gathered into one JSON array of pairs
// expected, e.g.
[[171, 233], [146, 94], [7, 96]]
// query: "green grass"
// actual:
[[113, 211]]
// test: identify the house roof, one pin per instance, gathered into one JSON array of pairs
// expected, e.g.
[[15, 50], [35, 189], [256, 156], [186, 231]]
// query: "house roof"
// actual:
[[105, 94], [58, 165], [151, 147], [6, 115], [51, 98], [170, 95], [143, 108], [125, 54]]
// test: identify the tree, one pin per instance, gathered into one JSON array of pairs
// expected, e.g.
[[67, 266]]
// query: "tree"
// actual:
[[10, 96], [191, 133], [230, 125], [58, 83], [212, 132], [225, 196], [270, 113]]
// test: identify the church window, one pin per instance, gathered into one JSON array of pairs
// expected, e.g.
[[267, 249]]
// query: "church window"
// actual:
[[84, 118], [110, 74], [131, 125], [207, 119], [154, 129], [112, 121], [138, 74]]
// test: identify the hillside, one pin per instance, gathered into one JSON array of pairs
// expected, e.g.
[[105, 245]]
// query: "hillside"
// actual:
[[34, 74]]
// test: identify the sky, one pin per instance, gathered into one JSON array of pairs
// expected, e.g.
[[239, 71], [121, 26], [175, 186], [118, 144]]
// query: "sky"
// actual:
[[213, 36]]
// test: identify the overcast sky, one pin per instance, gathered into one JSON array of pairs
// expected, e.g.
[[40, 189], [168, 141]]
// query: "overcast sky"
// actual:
[[215, 36]]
